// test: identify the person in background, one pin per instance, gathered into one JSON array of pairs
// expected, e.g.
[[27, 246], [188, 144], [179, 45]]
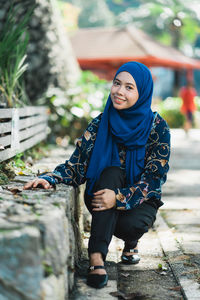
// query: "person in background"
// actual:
[[123, 157], [187, 94]]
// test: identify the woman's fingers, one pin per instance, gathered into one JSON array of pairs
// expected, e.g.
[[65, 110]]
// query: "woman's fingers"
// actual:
[[96, 203], [41, 183], [104, 199], [28, 185], [100, 192], [98, 200], [37, 183], [99, 208]]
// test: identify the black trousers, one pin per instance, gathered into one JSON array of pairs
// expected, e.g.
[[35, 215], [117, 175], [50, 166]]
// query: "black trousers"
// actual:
[[128, 225]]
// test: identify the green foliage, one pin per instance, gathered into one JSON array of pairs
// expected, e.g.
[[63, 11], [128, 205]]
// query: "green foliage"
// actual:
[[48, 270], [169, 109], [3, 178], [71, 111], [13, 45], [20, 164], [190, 29], [18, 161], [157, 19], [94, 14], [6, 172], [165, 38]]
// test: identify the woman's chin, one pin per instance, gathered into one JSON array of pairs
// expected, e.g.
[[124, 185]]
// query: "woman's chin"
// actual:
[[119, 106]]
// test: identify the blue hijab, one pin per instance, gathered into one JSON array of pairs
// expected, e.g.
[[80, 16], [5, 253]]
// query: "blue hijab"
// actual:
[[130, 127]]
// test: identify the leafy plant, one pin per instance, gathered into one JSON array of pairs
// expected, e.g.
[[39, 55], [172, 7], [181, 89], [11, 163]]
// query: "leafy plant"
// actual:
[[169, 109], [20, 164], [71, 111], [13, 44], [48, 270], [6, 172], [18, 161]]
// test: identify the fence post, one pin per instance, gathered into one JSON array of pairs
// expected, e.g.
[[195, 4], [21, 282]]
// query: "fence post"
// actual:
[[15, 145]]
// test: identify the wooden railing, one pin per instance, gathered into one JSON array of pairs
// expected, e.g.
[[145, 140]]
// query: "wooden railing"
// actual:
[[20, 129]]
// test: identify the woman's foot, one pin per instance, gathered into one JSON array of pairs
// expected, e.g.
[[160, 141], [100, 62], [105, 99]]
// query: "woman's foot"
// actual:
[[97, 276], [134, 250], [130, 256], [96, 260]]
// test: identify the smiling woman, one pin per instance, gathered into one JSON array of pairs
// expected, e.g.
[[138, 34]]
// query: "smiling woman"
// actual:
[[124, 92], [123, 158]]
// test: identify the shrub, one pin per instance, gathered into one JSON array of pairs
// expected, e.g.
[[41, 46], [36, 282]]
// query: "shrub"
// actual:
[[13, 45], [71, 110], [169, 109]]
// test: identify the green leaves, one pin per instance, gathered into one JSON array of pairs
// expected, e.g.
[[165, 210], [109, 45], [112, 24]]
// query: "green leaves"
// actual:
[[13, 44], [71, 110], [169, 109]]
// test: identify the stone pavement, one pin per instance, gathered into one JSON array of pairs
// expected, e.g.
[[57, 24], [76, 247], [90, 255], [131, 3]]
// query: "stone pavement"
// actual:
[[170, 257], [181, 211]]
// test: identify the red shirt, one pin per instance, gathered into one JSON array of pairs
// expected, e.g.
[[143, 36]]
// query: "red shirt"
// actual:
[[187, 94]]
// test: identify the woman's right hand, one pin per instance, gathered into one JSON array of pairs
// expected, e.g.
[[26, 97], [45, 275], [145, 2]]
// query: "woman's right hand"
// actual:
[[38, 182]]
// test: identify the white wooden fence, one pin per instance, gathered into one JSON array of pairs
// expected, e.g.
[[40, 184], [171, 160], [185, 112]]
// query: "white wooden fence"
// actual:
[[20, 129]]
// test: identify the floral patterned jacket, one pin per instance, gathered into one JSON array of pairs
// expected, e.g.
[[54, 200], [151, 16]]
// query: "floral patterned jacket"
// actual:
[[73, 171]]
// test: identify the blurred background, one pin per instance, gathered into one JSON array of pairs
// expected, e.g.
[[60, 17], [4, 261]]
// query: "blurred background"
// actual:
[[74, 47]]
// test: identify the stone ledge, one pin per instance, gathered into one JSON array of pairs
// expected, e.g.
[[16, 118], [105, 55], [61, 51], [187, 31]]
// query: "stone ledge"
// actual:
[[40, 241]]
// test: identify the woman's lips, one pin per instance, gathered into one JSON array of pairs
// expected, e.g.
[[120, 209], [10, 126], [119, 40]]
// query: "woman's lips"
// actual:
[[118, 100]]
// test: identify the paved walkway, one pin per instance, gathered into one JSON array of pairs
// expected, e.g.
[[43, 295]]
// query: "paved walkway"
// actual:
[[182, 209], [170, 257]]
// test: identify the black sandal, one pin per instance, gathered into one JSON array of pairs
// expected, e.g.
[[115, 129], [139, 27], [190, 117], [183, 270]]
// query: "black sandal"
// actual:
[[130, 259], [97, 281]]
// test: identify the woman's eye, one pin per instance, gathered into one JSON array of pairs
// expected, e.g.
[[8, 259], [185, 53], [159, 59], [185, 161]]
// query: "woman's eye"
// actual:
[[129, 87], [116, 83]]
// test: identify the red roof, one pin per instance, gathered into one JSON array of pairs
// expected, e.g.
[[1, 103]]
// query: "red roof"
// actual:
[[104, 49]]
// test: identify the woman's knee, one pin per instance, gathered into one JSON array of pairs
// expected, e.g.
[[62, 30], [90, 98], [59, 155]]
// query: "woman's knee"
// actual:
[[135, 222], [132, 232], [112, 171], [111, 177]]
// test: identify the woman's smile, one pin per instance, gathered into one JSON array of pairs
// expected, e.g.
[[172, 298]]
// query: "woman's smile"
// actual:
[[118, 100], [124, 92]]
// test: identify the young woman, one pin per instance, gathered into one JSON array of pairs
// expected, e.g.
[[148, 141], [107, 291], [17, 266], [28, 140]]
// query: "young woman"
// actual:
[[123, 158]]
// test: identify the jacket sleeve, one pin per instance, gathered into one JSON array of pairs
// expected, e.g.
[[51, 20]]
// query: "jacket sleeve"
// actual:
[[155, 171], [73, 171]]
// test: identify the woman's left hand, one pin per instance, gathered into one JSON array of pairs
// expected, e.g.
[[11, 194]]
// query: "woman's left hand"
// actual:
[[103, 199]]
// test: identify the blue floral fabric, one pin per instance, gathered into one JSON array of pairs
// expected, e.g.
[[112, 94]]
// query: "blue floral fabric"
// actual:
[[157, 153]]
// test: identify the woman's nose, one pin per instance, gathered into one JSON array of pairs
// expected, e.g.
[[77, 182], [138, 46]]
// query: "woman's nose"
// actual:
[[120, 89]]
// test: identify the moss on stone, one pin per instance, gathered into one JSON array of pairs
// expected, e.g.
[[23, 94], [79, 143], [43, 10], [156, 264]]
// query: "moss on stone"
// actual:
[[3, 178], [6, 172]]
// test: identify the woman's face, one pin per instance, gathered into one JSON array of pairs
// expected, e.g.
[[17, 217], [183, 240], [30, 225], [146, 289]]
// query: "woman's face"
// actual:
[[124, 92]]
